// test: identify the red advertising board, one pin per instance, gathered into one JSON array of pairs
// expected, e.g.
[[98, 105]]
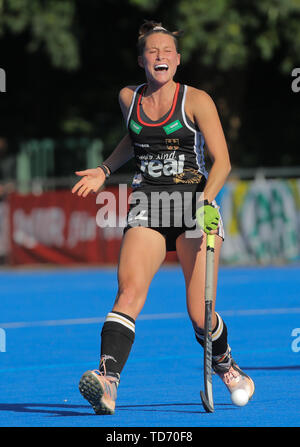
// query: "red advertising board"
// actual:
[[61, 228]]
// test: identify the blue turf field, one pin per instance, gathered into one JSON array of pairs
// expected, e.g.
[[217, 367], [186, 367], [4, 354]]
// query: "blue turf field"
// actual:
[[52, 321]]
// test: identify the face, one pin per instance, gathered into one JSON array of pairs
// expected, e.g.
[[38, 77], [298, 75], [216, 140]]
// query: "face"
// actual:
[[160, 58]]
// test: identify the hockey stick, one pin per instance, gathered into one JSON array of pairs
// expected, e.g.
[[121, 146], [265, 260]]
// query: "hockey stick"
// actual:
[[207, 397]]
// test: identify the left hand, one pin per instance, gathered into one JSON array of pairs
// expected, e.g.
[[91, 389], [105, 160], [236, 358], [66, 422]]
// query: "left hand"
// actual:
[[91, 181], [208, 218]]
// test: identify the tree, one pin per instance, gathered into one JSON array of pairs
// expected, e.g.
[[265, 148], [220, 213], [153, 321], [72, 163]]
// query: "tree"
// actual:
[[227, 34], [240, 52], [49, 24], [243, 53]]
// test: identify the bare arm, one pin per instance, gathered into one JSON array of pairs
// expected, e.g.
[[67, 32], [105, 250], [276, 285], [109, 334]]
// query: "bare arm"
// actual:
[[206, 116]]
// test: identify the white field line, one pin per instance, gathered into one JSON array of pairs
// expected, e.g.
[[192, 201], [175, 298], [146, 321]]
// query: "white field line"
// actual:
[[166, 316]]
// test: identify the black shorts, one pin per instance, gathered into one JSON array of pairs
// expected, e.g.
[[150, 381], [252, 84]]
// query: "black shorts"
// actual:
[[170, 211]]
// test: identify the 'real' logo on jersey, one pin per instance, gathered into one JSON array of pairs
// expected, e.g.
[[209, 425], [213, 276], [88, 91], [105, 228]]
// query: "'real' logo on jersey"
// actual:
[[166, 164]]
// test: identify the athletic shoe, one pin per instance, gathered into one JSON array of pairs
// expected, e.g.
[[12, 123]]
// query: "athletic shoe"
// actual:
[[100, 389], [232, 375]]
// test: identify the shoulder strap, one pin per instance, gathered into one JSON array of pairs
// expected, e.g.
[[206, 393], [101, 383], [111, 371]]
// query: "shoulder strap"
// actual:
[[133, 102]]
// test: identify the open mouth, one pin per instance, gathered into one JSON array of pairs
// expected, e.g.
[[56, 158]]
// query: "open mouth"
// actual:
[[161, 67]]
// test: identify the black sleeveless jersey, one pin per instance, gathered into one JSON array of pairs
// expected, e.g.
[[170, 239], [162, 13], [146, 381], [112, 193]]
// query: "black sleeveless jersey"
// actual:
[[168, 152]]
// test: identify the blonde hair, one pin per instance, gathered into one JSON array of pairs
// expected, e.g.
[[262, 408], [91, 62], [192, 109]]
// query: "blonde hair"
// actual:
[[149, 27]]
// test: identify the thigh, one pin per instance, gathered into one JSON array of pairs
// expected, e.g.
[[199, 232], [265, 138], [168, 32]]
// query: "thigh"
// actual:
[[191, 253], [142, 252]]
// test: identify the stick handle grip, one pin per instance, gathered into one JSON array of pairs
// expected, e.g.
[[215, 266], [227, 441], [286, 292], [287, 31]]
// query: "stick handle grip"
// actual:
[[209, 280]]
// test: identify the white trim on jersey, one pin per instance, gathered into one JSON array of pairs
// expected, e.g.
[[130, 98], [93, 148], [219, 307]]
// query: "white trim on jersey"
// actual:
[[198, 139], [137, 178], [132, 103]]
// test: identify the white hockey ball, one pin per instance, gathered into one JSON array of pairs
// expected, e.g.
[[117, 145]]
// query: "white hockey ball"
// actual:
[[239, 398]]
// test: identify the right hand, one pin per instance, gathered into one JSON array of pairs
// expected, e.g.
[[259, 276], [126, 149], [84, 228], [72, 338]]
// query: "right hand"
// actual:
[[208, 218], [92, 180]]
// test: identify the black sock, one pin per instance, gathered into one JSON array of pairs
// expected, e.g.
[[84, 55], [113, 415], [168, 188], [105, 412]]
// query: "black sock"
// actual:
[[219, 337], [117, 337]]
